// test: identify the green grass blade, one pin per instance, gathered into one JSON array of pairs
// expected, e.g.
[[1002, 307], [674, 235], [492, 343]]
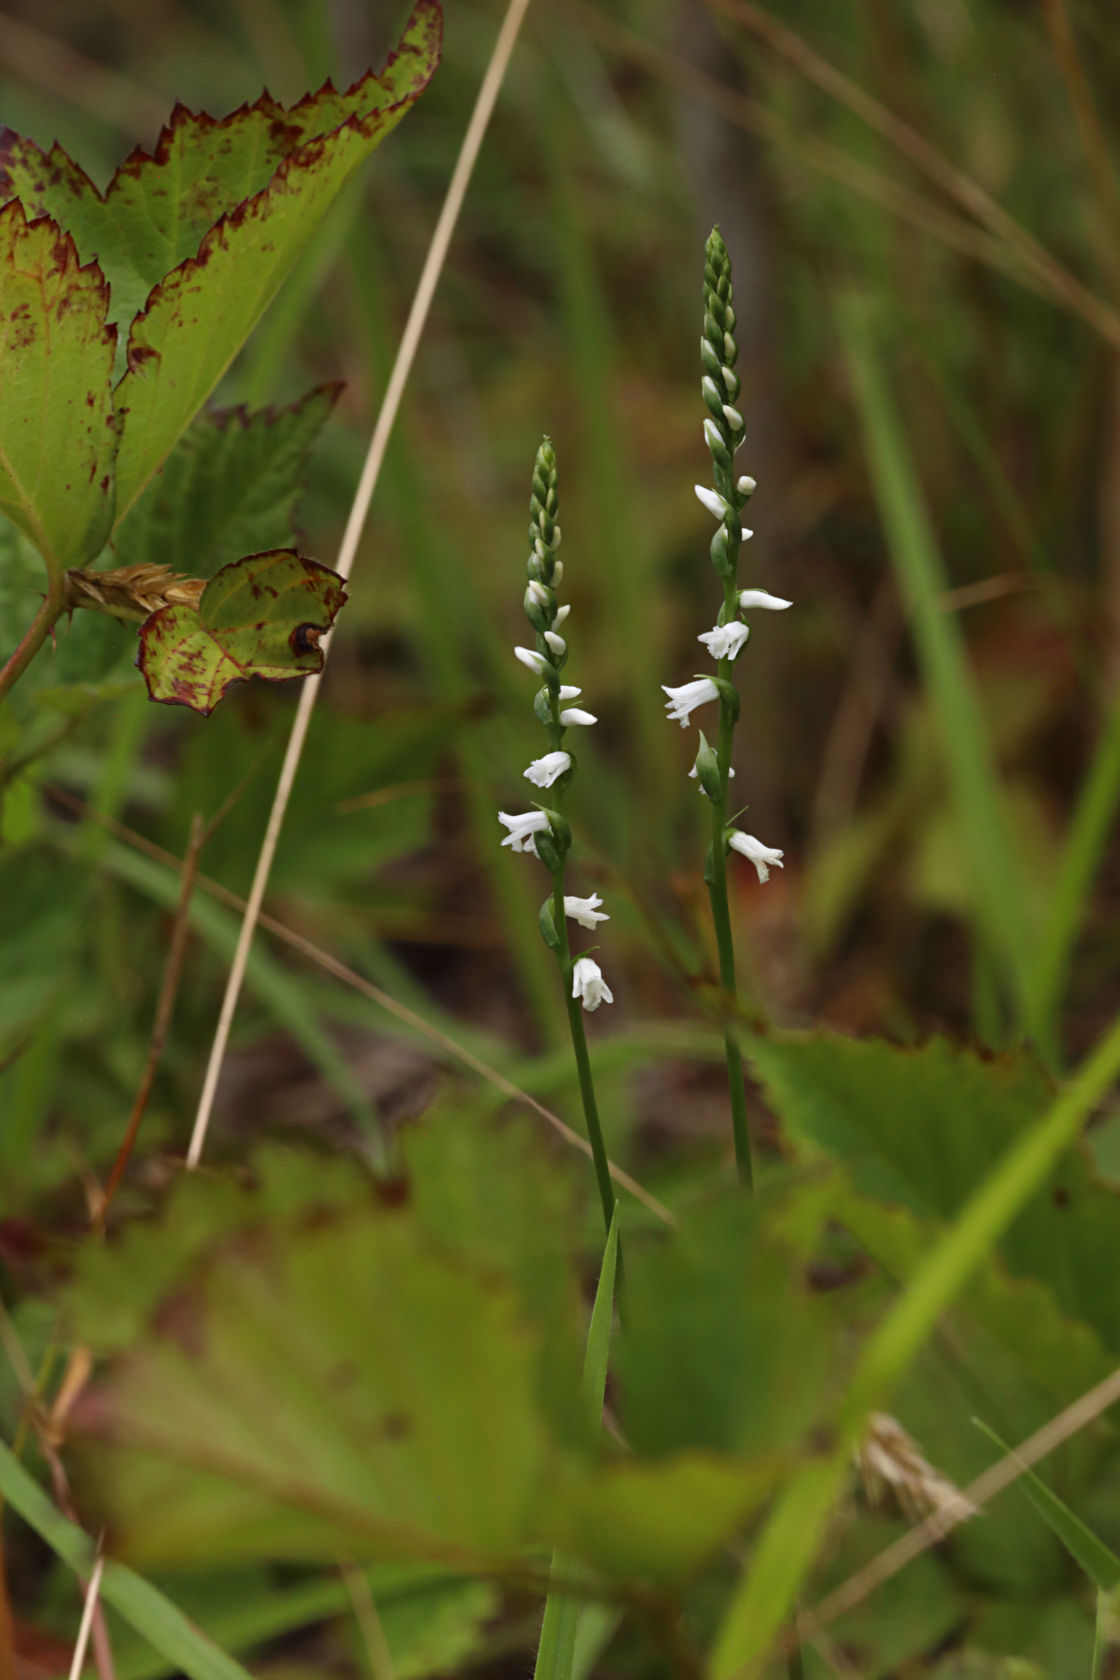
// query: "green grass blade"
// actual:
[[999, 894], [145, 1608], [1100, 1563], [1093, 825], [283, 995], [776, 1573], [556, 1652]]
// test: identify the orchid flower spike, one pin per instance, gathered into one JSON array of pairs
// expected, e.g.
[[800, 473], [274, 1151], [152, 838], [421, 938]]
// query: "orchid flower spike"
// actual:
[[684, 700], [544, 771], [725, 640], [522, 827], [761, 856], [585, 911], [588, 984]]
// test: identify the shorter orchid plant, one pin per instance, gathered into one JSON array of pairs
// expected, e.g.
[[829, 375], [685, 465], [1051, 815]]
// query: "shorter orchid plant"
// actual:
[[544, 830], [724, 433]]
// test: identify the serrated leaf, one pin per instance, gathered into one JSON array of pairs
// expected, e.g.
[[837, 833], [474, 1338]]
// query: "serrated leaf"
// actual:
[[57, 438], [297, 1397], [925, 1127], [261, 616], [228, 488], [200, 313]]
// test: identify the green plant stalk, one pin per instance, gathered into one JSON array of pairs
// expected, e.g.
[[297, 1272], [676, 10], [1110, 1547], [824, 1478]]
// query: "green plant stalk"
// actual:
[[48, 615], [771, 1585], [583, 1060], [716, 875]]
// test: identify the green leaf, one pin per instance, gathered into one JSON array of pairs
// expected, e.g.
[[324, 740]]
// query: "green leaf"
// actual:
[[258, 617], [924, 1127], [142, 1605], [57, 435], [293, 1400], [200, 314], [229, 487], [1098, 1561]]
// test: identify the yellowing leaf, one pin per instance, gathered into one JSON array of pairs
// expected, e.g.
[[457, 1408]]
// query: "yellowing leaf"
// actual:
[[57, 438], [258, 617]]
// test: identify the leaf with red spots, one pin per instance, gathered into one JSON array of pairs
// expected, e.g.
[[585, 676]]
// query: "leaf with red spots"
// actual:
[[57, 436], [199, 315], [261, 616], [159, 206]]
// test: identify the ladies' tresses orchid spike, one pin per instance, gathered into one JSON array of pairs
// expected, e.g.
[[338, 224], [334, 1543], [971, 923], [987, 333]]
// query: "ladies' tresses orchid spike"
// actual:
[[522, 828], [687, 697], [588, 984], [573, 715], [535, 661], [759, 598], [712, 500], [544, 771], [761, 856], [725, 641], [585, 911]]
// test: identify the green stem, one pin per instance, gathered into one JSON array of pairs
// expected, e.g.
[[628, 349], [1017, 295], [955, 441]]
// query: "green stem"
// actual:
[[583, 1060], [54, 604], [721, 919]]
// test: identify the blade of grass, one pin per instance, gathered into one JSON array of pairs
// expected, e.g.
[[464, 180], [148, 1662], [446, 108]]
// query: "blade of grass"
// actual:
[[410, 341], [996, 872], [1090, 834], [1085, 1548], [773, 1580], [143, 1606], [556, 1651], [286, 999]]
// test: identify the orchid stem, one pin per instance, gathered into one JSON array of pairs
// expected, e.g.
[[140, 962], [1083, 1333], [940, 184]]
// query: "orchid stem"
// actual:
[[721, 921]]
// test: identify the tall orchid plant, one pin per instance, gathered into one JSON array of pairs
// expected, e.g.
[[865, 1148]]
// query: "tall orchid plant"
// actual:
[[724, 433], [544, 831]]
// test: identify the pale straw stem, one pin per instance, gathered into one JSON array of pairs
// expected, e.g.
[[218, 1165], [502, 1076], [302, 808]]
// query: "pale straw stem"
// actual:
[[85, 1626], [406, 354]]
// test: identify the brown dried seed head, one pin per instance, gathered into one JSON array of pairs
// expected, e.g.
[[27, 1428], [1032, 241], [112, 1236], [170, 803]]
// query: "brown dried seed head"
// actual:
[[889, 1459], [133, 591]]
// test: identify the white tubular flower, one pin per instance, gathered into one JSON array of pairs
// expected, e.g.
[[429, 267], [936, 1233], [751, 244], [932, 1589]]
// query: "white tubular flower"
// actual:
[[733, 417], [746, 485], [562, 613], [567, 692], [725, 641], [535, 661], [574, 715], [712, 500], [538, 592], [745, 534], [759, 598], [761, 856], [712, 435], [585, 911], [588, 984], [544, 771], [685, 699], [557, 643], [522, 829]]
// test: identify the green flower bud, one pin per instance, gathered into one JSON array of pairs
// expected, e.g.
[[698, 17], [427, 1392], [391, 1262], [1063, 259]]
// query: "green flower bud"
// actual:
[[547, 922], [707, 768]]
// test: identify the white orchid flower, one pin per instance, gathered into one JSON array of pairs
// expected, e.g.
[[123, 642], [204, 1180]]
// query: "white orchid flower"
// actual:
[[759, 598], [585, 911], [544, 771], [522, 828], [687, 697], [588, 984], [725, 640], [761, 856]]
